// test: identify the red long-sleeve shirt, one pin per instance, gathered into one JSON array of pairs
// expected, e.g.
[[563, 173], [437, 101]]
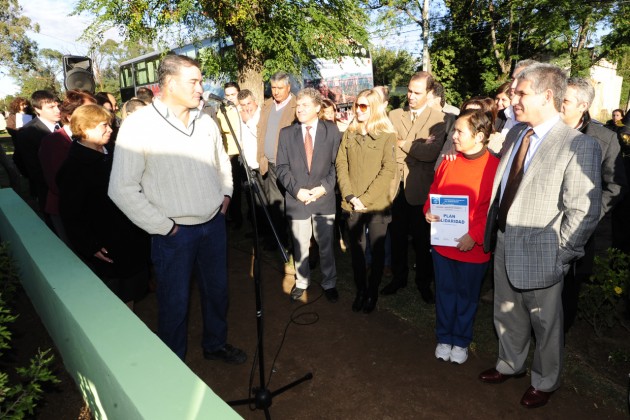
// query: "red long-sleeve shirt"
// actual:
[[472, 177]]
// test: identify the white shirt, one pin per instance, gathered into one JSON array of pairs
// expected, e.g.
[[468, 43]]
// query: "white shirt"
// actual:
[[510, 120], [313, 131], [249, 143], [51, 126], [536, 139], [21, 119]]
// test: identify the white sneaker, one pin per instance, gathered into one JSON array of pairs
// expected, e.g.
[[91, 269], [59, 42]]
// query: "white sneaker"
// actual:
[[443, 351], [459, 354]]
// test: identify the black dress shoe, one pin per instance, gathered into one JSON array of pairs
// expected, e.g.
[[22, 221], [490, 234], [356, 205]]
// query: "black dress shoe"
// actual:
[[427, 296], [228, 354], [332, 295], [392, 288], [535, 398], [493, 376], [296, 293], [358, 303], [370, 304]]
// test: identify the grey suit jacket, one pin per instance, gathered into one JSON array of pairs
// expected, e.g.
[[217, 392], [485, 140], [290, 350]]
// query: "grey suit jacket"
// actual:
[[555, 210], [293, 172]]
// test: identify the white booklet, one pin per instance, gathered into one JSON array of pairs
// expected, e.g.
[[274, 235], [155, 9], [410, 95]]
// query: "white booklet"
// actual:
[[453, 224]]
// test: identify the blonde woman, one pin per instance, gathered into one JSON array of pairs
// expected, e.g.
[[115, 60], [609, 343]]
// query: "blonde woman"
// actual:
[[366, 166]]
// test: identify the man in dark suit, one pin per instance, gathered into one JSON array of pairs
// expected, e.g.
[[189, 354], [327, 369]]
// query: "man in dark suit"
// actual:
[[29, 138], [545, 204], [306, 168], [421, 134], [577, 100]]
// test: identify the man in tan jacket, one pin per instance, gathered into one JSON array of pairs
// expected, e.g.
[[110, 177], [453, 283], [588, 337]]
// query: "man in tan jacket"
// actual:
[[421, 134], [231, 113], [277, 112]]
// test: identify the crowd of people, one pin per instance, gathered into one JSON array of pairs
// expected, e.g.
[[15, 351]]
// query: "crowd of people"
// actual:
[[157, 188]]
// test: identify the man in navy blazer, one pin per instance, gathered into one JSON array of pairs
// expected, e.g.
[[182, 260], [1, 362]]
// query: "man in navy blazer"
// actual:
[[29, 138], [305, 165]]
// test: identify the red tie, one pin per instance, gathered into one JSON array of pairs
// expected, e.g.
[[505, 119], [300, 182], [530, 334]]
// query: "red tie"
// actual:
[[308, 147], [513, 181]]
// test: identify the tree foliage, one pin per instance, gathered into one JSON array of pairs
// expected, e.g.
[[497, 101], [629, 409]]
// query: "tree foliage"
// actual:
[[476, 43], [267, 35], [17, 51], [393, 68], [46, 74]]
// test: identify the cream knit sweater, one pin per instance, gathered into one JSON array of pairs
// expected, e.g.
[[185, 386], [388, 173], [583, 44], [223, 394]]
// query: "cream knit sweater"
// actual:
[[164, 172]]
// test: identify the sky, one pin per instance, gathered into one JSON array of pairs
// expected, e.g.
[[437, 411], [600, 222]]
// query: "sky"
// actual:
[[58, 31]]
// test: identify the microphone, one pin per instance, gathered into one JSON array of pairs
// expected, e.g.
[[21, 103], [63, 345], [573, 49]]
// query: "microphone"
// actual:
[[207, 96]]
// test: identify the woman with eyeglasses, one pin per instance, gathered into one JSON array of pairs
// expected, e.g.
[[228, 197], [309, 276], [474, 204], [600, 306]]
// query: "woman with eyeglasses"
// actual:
[[101, 235], [366, 166]]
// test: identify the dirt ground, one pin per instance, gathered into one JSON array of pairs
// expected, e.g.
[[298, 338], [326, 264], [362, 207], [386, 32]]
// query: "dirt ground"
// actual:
[[375, 366]]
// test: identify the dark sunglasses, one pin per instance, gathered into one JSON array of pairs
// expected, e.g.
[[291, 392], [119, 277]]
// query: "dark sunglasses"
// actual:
[[362, 107]]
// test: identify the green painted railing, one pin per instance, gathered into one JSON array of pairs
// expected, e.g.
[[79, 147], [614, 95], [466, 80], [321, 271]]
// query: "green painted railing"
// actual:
[[123, 370]]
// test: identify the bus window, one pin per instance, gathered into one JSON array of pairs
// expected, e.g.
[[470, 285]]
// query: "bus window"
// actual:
[[152, 71], [141, 73], [125, 77]]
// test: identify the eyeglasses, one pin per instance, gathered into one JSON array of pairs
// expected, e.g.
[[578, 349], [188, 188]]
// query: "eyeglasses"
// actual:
[[362, 107]]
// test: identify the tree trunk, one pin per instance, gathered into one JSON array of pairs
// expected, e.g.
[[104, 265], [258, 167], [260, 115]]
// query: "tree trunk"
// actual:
[[503, 64], [426, 61], [250, 67]]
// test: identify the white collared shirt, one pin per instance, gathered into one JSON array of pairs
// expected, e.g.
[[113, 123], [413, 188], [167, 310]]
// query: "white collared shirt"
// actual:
[[510, 120], [248, 137], [535, 140], [313, 131], [51, 126]]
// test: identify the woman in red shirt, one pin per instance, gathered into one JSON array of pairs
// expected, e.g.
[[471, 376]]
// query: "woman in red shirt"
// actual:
[[459, 270]]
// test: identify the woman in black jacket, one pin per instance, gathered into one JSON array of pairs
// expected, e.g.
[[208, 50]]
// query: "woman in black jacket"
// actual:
[[109, 243]]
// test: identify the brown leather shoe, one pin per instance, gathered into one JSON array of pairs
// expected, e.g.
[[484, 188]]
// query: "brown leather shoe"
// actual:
[[493, 376], [535, 398]]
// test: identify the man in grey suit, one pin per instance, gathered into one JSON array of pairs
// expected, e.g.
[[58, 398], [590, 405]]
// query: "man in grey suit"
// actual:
[[545, 205], [305, 164]]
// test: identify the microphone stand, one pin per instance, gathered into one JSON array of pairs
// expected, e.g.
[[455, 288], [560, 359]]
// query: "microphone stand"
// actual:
[[262, 397]]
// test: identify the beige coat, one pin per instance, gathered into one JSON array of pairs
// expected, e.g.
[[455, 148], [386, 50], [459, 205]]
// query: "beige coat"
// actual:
[[417, 155], [287, 118]]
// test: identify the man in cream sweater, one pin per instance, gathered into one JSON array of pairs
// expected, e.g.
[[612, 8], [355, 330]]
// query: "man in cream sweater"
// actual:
[[172, 177]]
